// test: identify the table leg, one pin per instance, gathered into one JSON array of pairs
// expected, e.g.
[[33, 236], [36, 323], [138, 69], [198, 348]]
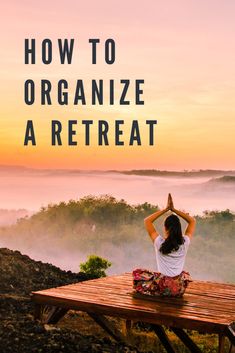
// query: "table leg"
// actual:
[[184, 337], [160, 332], [232, 349], [108, 326]]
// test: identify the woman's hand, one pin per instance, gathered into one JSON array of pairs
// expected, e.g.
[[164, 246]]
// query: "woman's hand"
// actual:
[[170, 205]]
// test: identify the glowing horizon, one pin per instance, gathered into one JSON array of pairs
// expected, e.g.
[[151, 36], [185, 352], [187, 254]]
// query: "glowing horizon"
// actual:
[[184, 53]]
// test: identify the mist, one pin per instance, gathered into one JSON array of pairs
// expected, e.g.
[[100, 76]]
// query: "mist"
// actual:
[[210, 256], [32, 189], [56, 237]]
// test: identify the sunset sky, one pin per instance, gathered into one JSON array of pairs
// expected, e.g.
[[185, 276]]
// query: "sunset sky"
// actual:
[[183, 49]]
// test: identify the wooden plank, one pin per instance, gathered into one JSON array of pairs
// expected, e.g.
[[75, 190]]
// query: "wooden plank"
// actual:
[[145, 306], [190, 300], [179, 312], [232, 349], [127, 277], [186, 340], [37, 311], [111, 298], [230, 333], [128, 327], [205, 306], [221, 343], [55, 314], [135, 314], [194, 284], [123, 285], [172, 301], [108, 326], [197, 294], [160, 332], [164, 309]]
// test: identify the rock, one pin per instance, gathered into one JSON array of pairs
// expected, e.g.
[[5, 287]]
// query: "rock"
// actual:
[[51, 328]]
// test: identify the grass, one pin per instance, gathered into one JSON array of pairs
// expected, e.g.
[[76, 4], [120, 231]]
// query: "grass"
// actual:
[[142, 338]]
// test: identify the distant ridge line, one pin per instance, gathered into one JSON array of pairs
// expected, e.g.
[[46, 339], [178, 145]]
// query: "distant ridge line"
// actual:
[[143, 172]]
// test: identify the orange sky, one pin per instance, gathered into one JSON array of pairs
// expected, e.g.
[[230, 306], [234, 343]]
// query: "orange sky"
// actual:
[[184, 50]]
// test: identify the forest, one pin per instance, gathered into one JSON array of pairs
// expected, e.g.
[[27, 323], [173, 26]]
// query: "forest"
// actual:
[[66, 233]]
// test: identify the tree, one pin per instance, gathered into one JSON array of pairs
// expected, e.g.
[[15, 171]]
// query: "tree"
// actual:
[[95, 266]]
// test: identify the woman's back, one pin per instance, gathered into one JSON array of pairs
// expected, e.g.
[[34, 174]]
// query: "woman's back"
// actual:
[[171, 264]]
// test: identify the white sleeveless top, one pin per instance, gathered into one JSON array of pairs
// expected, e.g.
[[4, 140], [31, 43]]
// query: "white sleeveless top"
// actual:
[[171, 264]]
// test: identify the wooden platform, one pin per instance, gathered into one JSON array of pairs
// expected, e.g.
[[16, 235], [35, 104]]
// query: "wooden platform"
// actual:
[[206, 307]]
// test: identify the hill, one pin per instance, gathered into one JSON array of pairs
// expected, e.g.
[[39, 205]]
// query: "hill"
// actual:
[[66, 233], [19, 333], [22, 170], [226, 179], [20, 275], [186, 173]]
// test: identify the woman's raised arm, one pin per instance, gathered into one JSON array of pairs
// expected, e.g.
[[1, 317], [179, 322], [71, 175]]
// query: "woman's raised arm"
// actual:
[[148, 222], [191, 221]]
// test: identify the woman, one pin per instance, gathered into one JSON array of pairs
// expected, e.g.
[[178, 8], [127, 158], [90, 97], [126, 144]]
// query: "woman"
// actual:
[[171, 250]]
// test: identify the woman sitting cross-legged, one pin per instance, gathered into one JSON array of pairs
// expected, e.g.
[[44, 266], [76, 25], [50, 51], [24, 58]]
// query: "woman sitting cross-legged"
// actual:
[[171, 250]]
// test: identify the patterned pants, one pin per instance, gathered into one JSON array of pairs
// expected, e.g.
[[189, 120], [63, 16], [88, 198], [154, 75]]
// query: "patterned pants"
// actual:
[[155, 283]]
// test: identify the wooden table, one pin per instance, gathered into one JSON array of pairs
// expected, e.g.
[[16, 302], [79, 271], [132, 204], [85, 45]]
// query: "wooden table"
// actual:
[[207, 307]]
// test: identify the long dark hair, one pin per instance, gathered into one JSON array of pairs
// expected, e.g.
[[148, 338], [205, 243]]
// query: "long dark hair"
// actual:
[[175, 237]]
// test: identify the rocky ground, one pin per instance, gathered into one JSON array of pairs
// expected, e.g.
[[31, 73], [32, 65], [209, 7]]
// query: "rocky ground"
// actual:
[[19, 275]]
